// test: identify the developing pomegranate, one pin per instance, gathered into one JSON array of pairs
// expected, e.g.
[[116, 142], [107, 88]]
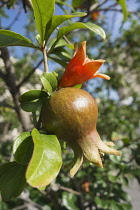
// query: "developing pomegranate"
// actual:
[[71, 114]]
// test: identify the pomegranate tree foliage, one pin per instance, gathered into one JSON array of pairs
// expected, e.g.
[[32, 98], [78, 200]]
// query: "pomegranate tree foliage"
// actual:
[[28, 150], [38, 153]]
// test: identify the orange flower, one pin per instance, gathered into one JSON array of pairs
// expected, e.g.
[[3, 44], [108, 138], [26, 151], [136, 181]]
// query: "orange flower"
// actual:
[[80, 68]]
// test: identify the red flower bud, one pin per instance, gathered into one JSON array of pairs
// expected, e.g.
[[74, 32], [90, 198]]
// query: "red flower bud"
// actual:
[[80, 68]]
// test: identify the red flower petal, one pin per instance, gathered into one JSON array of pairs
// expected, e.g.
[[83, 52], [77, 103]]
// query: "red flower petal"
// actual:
[[79, 56], [80, 68], [103, 76], [91, 67]]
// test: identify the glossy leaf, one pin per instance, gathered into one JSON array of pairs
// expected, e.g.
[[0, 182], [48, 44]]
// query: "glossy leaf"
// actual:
[[124, 8], [43, 12], [51, 78], [33, 100], [61, 56], [46, 84], [62, 53], [60, 43], [61, 62], [46, 160], [12, 180], [66, 29], [10, 38], [59, 19], [23, 148]]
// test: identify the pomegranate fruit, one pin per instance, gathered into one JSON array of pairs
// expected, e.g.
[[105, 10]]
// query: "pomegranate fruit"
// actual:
[[71, 114]]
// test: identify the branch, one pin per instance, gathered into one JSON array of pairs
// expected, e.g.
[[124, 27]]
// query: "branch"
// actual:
[[6, 105], [69, 190], [10, 80], [95, 6], [2, 75], [29, 203], [59, 187], [92, 8], [9, 77], [46, 69], [30, 74]]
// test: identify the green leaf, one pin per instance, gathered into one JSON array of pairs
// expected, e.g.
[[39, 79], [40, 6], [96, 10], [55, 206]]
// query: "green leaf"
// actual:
[[66, 29], [68, 200], [51, 78], [49, 82], [61, 62], [60, 3], [33, 100], [124, 8], [46, 160], [98, 201], [135, 172], [12, 180], [59, 19], [43, 12], [62, 53], [112, 178], [60, 43], [78, 86], [10, 38], [76, 3], [63, 56], [46, 84], [23, 148]]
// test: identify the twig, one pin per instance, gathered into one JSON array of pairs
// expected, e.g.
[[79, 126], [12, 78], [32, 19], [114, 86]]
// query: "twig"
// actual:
[[10, 81], [64, 37], [20, 207], [92, 8], [95, 6], [7, 105], [46, 69], [34, 118], [69, 190], [38, 122], [30, 74]]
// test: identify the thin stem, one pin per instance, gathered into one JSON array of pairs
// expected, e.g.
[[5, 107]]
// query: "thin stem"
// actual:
[[45, 60], [34, 119], [64, 37]]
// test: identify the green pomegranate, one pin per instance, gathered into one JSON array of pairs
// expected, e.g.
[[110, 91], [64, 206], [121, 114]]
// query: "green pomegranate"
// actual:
[[71, 114]]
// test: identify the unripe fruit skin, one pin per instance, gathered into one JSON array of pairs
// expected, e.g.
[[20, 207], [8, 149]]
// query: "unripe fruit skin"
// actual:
[[70, 114]]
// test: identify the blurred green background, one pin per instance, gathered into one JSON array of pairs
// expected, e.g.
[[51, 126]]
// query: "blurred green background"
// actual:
[[118, 101]]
